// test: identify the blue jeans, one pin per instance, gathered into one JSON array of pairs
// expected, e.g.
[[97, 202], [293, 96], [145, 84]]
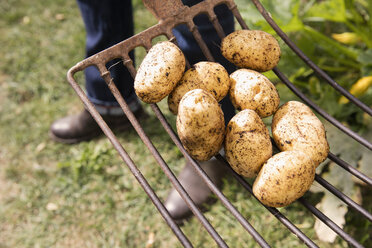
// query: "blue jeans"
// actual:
[[110, 21]]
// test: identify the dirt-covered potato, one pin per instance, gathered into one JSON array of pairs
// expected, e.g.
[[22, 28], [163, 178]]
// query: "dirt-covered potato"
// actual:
[[253, 49], [200, 124], [252, 90], [296, 127], [159, 72], [209, 76], [284, 178], [247, 143]]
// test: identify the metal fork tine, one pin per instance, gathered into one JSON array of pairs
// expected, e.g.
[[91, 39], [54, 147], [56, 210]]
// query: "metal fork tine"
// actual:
[[128, 63], [216, 24], [195, 32], [234, 9], [350, 169]]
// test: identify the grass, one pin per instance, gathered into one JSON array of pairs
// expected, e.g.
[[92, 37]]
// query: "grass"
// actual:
[[55, 195]]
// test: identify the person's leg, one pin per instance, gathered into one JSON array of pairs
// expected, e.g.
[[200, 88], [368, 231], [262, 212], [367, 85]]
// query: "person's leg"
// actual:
[[186, 40], [192, 183], [107, 23]]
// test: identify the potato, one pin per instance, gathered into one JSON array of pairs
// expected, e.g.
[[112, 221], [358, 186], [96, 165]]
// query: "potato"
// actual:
[[253, 49], [200, 124], [296, 127], [284, 178], [208, 76], [159, 72], [247, 143], [252, 90]]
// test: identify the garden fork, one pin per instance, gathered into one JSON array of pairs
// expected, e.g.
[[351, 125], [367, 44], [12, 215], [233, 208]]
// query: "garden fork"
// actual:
[[171, 13]]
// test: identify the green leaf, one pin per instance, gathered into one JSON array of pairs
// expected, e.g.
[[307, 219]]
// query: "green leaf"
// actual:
[[251, 16], [364, 164], [366, 70], [306, 44], [329, 45], [342, 145], [285, 93], [336, 211], [330, 205], [365, 58], [352, 12], [281, 9], [295, 23], [284, 12], [331, 10], [314, 85]]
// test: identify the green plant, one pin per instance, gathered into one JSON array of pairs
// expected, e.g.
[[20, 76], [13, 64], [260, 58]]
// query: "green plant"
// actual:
[[92, 159]]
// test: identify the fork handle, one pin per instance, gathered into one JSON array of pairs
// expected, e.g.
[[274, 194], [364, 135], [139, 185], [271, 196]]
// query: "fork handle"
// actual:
[[162, 9]]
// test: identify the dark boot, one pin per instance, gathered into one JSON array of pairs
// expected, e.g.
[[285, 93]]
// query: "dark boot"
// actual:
[[195, 187], [82, 127]]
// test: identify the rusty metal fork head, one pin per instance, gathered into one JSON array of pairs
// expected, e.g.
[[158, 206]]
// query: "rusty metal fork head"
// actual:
[[162, 9], [170, 13]]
